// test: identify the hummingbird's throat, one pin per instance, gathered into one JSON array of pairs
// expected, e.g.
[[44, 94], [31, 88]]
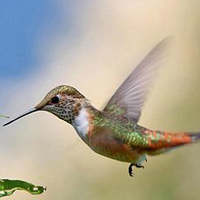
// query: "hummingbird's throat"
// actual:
[[63, 113], [81, 123], [66, 112]]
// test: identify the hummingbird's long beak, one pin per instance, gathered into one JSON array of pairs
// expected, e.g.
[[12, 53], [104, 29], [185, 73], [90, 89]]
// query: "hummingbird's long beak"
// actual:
[[24, 114]]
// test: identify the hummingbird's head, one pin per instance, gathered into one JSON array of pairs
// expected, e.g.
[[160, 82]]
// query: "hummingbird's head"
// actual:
[[63, 101]]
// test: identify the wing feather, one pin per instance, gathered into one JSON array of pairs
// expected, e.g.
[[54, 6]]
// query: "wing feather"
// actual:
[[131, 95]]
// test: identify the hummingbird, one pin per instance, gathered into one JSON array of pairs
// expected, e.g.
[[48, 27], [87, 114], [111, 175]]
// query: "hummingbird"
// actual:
[[114, 132]]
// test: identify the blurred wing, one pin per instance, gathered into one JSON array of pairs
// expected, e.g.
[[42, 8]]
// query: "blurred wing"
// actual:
[[131, 95]]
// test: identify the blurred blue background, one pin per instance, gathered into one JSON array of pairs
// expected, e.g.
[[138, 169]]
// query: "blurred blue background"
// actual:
[[23, 26]]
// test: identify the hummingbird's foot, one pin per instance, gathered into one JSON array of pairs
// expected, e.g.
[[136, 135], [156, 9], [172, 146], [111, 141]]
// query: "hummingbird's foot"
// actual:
[[139, 166], [130, 170]]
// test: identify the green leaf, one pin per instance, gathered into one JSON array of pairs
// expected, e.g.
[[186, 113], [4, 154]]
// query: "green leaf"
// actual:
[[8, 187]]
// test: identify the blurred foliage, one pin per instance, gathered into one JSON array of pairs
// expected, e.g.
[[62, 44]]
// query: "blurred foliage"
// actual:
[[4, 116]]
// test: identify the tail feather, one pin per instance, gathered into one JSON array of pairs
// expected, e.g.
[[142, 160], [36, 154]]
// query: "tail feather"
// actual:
[[160, 140], [169, 141], [195, 136]]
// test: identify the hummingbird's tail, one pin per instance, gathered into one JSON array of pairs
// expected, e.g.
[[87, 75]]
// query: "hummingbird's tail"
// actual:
[[195, 136], [161, 142]]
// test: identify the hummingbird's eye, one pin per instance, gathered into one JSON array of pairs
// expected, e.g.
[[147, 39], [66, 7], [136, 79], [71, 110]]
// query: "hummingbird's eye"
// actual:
[[55, 99]]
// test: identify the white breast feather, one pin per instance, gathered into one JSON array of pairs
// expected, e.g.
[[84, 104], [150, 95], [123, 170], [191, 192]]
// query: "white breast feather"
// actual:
[[81, 122]]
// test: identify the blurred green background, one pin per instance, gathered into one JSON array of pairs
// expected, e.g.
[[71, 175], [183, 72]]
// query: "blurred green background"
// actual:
[[93, 46]]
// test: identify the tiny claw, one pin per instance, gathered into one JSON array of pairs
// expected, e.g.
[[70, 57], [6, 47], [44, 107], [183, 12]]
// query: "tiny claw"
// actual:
[[139, 166], [130, 170]]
